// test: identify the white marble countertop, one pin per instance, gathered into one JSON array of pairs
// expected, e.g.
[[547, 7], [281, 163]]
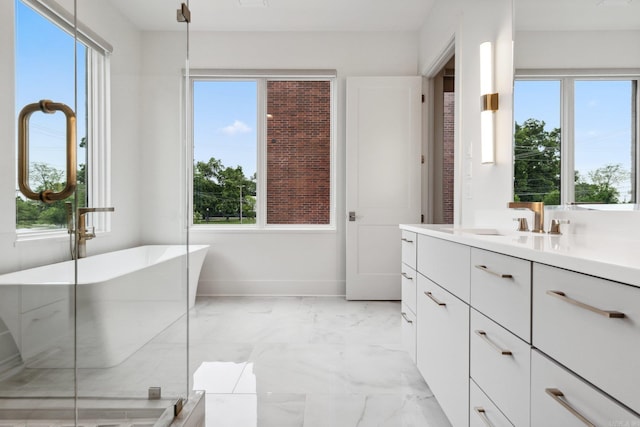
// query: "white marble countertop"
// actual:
[[609, 257]]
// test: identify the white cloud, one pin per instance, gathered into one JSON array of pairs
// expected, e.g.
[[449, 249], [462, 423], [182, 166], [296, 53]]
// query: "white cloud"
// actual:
[[235, 128]]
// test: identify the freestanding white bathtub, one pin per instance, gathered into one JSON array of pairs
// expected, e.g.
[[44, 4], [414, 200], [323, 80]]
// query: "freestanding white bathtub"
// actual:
[[123, 300]]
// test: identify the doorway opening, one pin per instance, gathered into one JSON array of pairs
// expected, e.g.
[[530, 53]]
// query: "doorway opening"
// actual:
[[443, 145]]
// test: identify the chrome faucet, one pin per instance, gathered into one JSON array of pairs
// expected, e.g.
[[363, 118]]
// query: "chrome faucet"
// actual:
[[538, 210], [81, 229]]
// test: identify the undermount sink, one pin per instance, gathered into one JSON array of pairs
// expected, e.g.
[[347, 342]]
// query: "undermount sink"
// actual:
[[476, 231]]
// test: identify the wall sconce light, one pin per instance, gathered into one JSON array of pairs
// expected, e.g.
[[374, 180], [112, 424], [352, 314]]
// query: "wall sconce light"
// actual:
[[488, 104]]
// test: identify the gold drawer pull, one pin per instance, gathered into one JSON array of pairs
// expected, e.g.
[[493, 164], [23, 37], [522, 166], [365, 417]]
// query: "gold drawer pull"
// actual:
[[483, 335], [406, 276], [440, 303], [486, 270], [405, 317], [605, 313], [556, 395], [483, 416], [404, 239]]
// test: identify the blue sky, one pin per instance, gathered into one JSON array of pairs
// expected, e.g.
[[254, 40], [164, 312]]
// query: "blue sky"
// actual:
[[45, 70], [225, 115]]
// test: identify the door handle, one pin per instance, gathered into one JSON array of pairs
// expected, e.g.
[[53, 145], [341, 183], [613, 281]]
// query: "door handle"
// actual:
[[352, 216], [47, 195]]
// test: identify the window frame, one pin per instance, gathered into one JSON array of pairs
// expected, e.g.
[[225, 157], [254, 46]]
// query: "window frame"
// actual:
[[98, 110], [567, 79], [261, 77]]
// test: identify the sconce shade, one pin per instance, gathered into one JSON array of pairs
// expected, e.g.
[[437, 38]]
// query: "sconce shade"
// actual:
[[488, 104]]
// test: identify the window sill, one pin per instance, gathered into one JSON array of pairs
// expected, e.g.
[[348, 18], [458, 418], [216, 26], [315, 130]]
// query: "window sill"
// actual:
[[214, 229], [40, 237]]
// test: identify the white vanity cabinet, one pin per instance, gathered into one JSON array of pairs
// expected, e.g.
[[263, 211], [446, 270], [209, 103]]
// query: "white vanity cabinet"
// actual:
[[561, 399], [513, 332], [592, 326], [482, 410], [443, 324], [409, 283], [445, 263], [500, 365], [443, 348], [501, 290]]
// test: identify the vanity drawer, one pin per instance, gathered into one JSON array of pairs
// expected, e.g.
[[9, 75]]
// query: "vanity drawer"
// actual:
[[483, 412], [445, 263], [500, 365], [42, 328], [408, 331], [574, 330], [409, 245], [409, 280], [443, 348], [559, 398], [501, 289]]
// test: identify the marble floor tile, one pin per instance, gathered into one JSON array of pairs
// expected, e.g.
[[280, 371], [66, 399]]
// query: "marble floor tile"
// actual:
[[280, 361]]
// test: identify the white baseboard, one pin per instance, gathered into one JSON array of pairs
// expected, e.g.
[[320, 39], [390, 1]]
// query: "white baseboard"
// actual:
[[271, 288]]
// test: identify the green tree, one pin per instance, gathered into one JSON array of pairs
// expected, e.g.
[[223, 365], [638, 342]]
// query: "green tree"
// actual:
[[602, 186], [206, 190], [42, 177], [218, 189], [536, 162]]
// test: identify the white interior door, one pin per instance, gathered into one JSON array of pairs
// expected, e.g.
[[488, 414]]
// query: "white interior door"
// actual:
[[383, 180]]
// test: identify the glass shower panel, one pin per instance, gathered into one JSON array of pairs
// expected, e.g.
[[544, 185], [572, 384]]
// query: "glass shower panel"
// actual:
[[40, 187], [132, 296]]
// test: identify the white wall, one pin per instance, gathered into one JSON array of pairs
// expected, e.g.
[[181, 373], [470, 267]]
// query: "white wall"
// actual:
[[256, 262], [577, 49], [478, 187], [125, 77]]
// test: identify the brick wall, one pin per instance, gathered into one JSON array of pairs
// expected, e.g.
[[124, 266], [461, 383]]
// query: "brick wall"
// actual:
[[447, 158], [298, 152]]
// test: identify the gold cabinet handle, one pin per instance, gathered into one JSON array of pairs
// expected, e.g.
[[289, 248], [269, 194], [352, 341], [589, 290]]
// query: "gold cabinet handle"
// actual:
[[556, 395], [487, 270], [49, 107], [405, 317], [434, 299], [406, 276], [485, 338], [606, 313], [404, 239], [483, 416]]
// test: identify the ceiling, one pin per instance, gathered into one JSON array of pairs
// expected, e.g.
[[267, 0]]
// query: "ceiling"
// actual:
[[279, 15], [367, 15]]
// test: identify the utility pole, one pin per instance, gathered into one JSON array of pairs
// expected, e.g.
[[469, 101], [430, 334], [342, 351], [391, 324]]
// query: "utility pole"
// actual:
[[241, 204]]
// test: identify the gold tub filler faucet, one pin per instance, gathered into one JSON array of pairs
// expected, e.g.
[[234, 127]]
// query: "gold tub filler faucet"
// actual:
[[79, 227]]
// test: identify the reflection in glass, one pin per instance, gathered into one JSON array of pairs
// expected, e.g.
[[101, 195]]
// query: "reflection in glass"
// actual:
[[537, 141], [604, 154]]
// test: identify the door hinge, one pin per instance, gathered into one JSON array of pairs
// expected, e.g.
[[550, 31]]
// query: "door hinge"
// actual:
[[423, 98], [422, 159], [422, 219]]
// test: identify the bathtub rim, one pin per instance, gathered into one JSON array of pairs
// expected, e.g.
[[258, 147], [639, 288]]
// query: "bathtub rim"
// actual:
[[7, 279]]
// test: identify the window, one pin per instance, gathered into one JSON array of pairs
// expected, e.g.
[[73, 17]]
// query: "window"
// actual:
[[263, 151], [80, 83], [576, 139]]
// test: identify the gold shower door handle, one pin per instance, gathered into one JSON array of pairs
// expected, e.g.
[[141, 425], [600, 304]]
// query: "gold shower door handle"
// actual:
[[48, 107]]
